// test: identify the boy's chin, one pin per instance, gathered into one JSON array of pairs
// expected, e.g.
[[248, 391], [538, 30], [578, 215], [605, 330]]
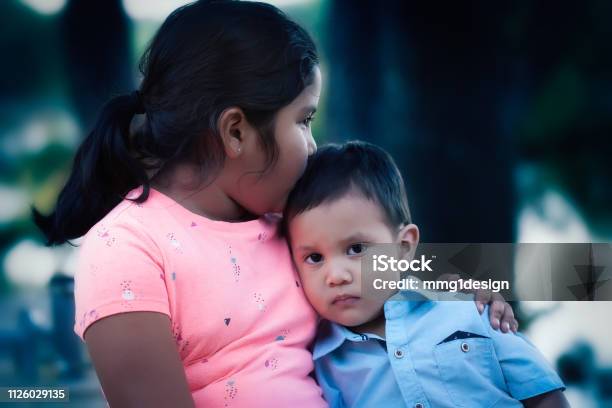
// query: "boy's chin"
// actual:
[[348, 321]]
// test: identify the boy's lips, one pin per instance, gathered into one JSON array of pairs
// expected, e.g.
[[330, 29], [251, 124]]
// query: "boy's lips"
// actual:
[[345, 300]]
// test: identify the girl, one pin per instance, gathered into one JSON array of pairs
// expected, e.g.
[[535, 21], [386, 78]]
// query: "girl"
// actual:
[[184, 292]]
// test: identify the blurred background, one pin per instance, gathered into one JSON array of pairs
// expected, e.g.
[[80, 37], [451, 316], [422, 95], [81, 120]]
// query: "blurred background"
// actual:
[[499, 116]]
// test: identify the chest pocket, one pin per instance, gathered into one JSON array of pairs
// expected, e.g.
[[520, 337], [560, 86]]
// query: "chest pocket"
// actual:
[[468, 370]]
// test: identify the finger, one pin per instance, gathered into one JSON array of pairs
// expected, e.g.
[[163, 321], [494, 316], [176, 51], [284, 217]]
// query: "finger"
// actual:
[[495, 313], [507, 318], [454, 277], [449, 277], [505, 324], [507, 314], [515, 325], [482, 297]]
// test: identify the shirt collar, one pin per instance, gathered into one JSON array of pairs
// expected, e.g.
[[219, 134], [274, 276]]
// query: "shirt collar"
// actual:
[[332, 335]]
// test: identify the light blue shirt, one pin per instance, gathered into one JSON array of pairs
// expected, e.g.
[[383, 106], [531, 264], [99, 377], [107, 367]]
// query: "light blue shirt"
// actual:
[[436, 354]]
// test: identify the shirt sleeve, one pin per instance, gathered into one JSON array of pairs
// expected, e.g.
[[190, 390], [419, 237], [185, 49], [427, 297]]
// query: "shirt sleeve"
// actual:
[[526, 371], [120, 269]]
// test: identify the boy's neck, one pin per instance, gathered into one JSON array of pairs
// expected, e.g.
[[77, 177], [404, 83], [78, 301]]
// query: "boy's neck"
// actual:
[[374, 326]]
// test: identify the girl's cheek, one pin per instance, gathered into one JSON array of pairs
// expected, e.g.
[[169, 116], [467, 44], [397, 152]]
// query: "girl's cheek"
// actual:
[[298, 160], [304, 151]]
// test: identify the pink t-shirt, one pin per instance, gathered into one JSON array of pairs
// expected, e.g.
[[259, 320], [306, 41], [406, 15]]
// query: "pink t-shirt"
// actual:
[[239, 315]]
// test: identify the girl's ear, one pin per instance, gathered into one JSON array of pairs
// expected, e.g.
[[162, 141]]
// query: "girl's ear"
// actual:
[[408, 239], [234, 128]]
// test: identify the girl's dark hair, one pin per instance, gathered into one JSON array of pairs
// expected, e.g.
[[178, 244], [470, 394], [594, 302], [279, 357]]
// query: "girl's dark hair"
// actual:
[[206, 57], [337, 169]]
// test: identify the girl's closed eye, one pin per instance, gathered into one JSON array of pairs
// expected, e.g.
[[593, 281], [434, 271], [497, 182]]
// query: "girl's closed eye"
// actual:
[[356, 249], [308, 120], [313, 259]]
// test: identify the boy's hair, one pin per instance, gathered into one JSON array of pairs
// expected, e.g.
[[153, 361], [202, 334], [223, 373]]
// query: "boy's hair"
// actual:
[[336, 169]]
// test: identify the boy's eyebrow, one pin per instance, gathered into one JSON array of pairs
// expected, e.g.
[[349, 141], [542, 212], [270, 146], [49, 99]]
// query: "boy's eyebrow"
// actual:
[[359, 236], [303, 248]]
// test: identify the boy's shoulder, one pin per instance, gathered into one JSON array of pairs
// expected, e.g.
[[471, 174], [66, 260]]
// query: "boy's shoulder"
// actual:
[[452, 345]]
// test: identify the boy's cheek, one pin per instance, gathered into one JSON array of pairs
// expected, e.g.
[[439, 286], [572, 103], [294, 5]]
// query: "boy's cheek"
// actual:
[[312, 295]]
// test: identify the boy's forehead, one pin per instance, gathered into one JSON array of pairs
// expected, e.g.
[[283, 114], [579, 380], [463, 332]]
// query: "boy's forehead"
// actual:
[[348, 213], [351, 201]]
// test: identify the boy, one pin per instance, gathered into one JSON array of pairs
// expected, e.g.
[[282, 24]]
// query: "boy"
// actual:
[[375, 352]]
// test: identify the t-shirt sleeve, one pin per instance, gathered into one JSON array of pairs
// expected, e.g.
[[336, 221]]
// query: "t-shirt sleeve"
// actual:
[[526, 371], [119, 269]]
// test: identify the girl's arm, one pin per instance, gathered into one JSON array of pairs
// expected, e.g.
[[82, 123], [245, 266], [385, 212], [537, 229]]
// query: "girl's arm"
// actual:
[[137, 361]]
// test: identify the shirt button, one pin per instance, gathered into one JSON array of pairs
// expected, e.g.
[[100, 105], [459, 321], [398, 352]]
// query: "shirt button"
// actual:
[[398, 353], [465, 347], [418, 405]]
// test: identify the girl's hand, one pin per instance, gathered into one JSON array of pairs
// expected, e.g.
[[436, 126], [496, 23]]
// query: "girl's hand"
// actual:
[[501, 315]]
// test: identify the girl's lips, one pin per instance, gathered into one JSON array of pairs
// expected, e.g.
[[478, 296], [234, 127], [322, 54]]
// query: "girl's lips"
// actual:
[[345, 300]]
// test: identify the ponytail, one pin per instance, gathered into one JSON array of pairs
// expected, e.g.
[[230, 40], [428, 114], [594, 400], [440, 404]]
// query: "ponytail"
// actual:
[[103, 172]]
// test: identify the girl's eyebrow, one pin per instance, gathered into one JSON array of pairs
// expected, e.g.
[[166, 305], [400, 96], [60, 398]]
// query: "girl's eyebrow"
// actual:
[[308, 110]]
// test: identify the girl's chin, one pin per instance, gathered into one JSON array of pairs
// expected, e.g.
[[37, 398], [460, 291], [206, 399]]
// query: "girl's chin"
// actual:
[[271, 208], [280, 207]]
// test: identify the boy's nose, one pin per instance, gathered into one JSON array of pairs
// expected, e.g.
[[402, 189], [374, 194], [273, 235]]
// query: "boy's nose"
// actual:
[[338, 275]]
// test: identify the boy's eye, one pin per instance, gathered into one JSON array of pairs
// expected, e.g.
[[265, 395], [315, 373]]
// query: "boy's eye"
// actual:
[[313, 259], [356, 249]]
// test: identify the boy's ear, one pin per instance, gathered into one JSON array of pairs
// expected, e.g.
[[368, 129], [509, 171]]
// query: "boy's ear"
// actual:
[[234, 129], [408, 239]]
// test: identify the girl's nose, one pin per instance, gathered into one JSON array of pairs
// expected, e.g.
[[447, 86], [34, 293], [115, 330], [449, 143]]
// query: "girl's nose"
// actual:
[[312, 145]]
